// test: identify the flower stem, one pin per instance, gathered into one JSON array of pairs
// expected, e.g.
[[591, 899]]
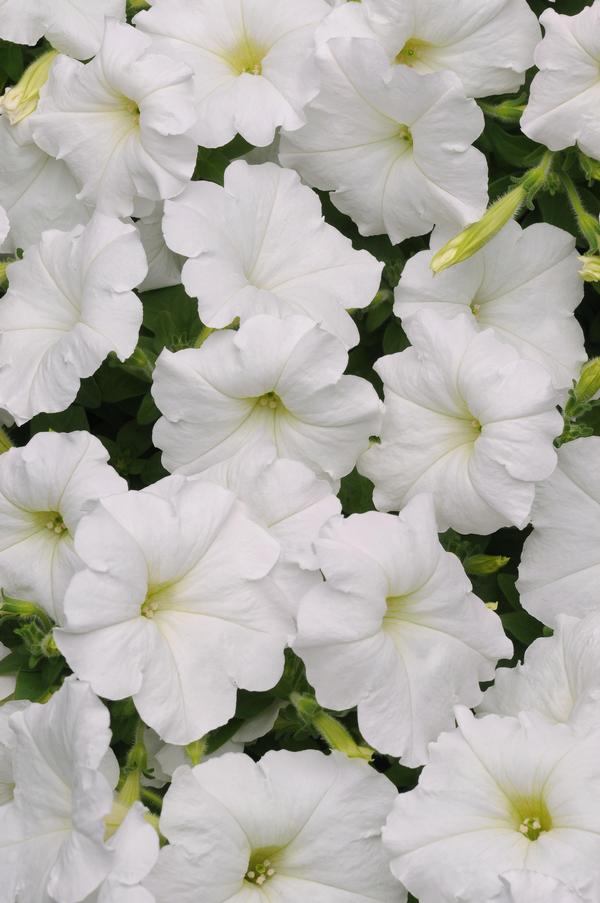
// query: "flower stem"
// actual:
[[204, 334], [587, 223], [498, 214]]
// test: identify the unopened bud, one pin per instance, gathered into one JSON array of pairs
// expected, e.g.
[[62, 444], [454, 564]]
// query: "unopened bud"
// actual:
[[483, 565], [22, 99], [590, 270], [331, 730], [589, 381], [475, 236]]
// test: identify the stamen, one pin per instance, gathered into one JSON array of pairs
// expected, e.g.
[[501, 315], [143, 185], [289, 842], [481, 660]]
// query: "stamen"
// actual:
[[259, 871], [531, 827]]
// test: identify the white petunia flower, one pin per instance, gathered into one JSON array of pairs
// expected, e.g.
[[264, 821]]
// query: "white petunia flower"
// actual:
[[395, 629], [499, 794], [526, 886], [164, 267], [74, 27], [292, 827], [292, 505], [565, 92], [173, 606], [489, 46], [466, 419], [120, 122], [560, 566], [559, 678], [134, 849], [525, 284], [253, 62], [64, 774], [275, 387], [45, 488], [394, 146], [37, 191], [261, 245], [68, 306], [7, 681], [4, 225], [7, 739]]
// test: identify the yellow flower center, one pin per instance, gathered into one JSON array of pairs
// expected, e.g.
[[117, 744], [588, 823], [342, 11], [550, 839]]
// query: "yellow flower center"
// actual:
[[410, 53], [405, 135], [260, 867], [531, 817], [53, 522], [158, 596], [131, 108], [246, 57], [270, 400]]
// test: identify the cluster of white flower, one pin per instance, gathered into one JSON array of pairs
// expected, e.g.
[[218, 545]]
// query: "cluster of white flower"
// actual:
[[241, 577]]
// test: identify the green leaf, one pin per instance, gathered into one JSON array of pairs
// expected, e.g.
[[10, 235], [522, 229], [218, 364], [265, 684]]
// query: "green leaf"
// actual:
[[89, 395], [148, 412], [356, 493], [117, 385], [506, 582], [514, 149], [74, 418], [11, 60], [521, 626], [11, 663], [172, 317], [394, 338]]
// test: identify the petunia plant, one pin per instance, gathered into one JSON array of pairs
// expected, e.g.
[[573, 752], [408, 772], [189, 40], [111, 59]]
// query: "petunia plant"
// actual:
[[299, 451]]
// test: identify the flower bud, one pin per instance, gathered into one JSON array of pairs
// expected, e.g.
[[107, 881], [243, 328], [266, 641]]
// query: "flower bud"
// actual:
[[590, 271], [22, 99], [589, 381], [483, 565], [331, 730], [475, 236]]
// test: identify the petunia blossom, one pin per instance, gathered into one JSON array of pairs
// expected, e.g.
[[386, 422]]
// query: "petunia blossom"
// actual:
[[527, 886], [260, 245], [164, 267], [74, 27], [499, 794], [559, 678], [253, 62], [45, 488], [393, 146], [292, 505], [560, 565], [134, 848], [4, 225], [467, 419], [524, 284], [68, 306], [293, 826], [395, 629], [275, 387], [52, 838], [489, 46], [174, 606], [120, 122], [38, 192], [564, 95]]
